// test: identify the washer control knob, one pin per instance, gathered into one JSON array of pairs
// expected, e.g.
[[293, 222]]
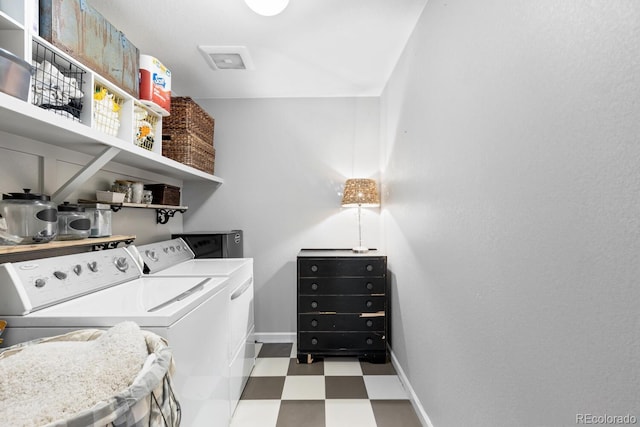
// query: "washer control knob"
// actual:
[[166, 250], [151, 255], [40, 282], [93, 266], [77, 269], [121, 263], [60, 275], [173, 248]]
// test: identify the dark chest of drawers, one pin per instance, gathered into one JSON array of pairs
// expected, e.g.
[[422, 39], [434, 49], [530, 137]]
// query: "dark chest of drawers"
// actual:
[[342, 305]]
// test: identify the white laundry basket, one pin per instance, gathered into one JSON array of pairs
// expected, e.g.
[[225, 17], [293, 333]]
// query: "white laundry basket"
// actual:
[[148, 401]]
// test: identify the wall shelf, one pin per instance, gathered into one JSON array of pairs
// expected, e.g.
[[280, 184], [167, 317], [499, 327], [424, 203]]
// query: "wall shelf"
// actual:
[[163, 212], [94, 242], [21, 118]]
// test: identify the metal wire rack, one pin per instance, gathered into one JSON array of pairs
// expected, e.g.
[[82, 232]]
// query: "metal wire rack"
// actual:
[[57, 82]]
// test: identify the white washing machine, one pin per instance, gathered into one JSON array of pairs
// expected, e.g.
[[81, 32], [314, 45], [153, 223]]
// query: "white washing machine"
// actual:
[[174, 258], [56, 295]]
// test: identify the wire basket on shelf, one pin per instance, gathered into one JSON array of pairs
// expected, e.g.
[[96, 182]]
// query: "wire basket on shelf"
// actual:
[[106, 109], [145, 127], [57, 83]]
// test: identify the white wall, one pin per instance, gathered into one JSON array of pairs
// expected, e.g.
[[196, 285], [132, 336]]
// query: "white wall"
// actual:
[[284, 162], [512, 210]]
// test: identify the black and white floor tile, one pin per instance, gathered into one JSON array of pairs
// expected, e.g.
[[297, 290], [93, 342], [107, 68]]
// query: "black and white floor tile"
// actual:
[[333, 392]]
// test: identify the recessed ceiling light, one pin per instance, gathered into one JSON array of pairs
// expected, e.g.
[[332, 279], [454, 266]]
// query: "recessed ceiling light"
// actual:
[[267, 7], [227, 57]]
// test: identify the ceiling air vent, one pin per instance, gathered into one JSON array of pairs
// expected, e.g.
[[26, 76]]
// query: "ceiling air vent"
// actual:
[[227, 57]]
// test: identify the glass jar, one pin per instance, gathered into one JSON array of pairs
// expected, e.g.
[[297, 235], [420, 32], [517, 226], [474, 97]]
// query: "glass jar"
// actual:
[[29, 217], [147, 197], [100, 216], [73, 222], [124, 186]]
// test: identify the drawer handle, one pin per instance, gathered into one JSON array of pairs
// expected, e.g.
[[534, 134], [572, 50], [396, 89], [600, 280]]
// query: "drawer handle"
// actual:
[[369, 341], [314, 304], [314, 268], [369, 304], [369, 286], [314, 323], [314, 286], [369, 323], [314, 341], [369, 267]]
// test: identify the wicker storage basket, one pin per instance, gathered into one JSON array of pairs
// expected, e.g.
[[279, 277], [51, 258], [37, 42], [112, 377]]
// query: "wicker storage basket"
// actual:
[[148, 402], [164, 194], [190, 150], [188, 117]]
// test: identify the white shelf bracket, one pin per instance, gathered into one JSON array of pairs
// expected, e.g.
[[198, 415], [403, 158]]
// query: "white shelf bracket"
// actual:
[[84, 174]]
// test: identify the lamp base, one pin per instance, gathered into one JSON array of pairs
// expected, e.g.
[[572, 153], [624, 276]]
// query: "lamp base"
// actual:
[[360, 249]]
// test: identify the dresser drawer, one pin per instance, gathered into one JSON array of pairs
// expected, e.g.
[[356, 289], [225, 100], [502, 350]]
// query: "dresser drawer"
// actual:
[[342, 286], [340, 322], [341, 304], [327, 267], [357, 341]]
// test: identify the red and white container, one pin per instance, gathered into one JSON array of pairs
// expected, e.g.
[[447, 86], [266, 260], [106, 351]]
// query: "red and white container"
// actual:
[[155, 85]]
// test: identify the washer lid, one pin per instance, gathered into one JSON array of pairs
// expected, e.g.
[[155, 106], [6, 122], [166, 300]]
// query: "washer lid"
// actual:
[[150, 302]]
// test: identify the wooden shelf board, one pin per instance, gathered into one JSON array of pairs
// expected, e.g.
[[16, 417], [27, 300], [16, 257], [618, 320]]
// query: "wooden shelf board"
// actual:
[[59, 244], [136, 205]]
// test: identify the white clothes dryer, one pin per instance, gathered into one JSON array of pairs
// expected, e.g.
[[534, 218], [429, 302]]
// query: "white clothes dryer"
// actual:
[[174, 258]]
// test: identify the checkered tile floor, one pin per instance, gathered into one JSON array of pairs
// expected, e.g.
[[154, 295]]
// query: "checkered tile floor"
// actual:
[[335, 392]]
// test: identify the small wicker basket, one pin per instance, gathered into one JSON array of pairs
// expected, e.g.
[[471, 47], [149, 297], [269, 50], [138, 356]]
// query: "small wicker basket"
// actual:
[[164, 194]]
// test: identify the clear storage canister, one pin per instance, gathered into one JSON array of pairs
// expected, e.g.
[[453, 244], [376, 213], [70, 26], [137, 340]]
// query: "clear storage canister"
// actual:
[[73, 222], [100, 216], [29, 217]]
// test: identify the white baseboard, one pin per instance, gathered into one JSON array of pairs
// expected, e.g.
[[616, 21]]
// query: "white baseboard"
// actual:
[[417, 405], [275, 337]]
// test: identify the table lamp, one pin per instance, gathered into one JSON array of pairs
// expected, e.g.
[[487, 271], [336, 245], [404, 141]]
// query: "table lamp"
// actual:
[[360, 192]]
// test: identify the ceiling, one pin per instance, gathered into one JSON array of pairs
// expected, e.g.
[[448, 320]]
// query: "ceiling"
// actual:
[[314, 48]]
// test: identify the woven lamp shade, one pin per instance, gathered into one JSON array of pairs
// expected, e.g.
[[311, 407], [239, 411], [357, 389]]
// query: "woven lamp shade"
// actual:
[[360, 192]]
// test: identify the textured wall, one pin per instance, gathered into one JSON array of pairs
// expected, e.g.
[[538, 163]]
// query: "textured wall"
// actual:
[[284, 162], [512, 210]]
